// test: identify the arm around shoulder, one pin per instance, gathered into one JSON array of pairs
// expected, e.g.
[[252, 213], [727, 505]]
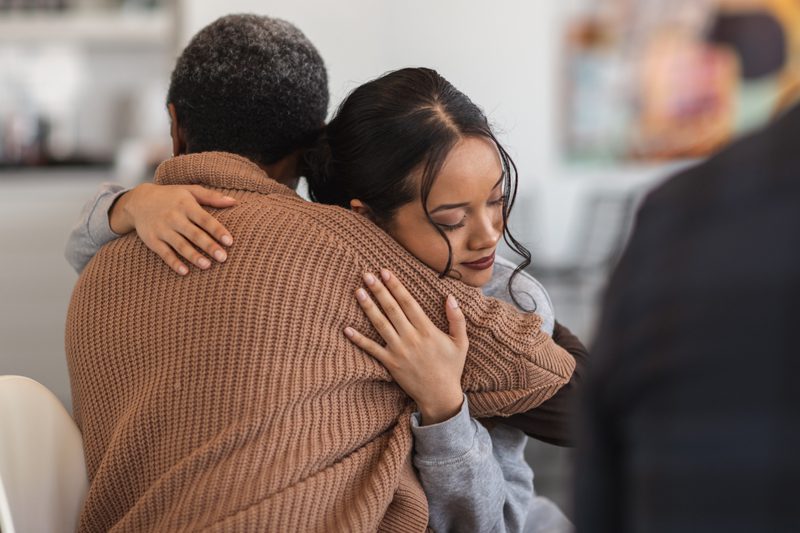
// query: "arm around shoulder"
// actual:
[[512, 366], [93, 230], [554, 420]]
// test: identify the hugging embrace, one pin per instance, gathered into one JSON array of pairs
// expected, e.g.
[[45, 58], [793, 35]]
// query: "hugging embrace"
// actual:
[[361, 362]]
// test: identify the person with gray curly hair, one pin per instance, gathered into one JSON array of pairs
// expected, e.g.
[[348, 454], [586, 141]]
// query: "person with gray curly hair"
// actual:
[[247, 84], [281, 94]]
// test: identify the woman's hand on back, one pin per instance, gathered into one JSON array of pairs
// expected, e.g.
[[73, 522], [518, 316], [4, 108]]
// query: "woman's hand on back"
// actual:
[[170, 221], [426, 362]]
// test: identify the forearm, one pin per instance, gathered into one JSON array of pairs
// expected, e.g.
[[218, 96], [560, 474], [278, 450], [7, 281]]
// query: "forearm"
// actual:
[[463, 480], [93, 230], [511, 366], [554, 420]]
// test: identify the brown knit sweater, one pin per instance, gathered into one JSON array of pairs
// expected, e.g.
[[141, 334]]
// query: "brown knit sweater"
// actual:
[[230, 400]]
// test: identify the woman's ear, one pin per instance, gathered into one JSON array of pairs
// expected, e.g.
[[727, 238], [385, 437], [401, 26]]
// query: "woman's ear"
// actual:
[[357, 206]]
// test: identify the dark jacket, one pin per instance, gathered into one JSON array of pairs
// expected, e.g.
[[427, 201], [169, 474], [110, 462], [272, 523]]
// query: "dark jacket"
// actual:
[[692, 406], [554, 421]]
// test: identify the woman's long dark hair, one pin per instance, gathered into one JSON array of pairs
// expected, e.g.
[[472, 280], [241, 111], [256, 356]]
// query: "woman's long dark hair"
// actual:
[[388, 128]]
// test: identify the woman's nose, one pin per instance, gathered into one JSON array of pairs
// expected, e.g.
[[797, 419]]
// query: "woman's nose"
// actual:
[[487, 232]]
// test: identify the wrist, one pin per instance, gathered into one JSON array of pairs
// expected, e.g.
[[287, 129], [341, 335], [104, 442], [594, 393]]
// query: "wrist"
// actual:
[[440, 409], [119, 217]]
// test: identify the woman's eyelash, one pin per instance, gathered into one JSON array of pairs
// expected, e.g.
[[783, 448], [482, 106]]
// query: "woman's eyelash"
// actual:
[[451, 227]]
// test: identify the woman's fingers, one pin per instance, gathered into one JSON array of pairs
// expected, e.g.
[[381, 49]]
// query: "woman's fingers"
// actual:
[[411, 308], [368, 345], [389, 304], [212, 226], [457, 322], [185, 249], [376, 316], [210, 198], [169, 257], [205, 220], [198, 235]]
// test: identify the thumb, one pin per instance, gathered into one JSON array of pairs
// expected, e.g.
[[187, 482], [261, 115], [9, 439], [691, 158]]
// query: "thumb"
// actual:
[[458, 324], [211, 198]]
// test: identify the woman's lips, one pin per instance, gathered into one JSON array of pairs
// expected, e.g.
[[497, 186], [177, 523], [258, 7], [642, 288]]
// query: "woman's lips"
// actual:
[[481, 264]]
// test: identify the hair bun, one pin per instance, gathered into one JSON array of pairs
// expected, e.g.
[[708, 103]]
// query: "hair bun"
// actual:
[[322, 186]]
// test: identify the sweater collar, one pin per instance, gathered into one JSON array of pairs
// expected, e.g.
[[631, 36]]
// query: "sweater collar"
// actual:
[[218, 169]]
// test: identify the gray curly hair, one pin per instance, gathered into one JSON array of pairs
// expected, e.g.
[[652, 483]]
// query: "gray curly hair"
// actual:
[[251, 85]]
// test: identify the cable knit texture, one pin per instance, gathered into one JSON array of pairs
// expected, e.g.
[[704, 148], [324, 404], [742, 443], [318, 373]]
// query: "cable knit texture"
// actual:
[[230, 400]]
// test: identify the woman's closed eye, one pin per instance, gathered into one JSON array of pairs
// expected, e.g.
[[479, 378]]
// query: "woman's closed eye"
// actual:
[[497, 201], [453, 226]]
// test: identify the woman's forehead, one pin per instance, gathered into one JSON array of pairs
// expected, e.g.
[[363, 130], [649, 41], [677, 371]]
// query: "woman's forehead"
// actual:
[[473, 166]]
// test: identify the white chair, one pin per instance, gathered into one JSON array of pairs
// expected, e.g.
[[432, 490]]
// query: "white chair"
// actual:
[[42, 471]]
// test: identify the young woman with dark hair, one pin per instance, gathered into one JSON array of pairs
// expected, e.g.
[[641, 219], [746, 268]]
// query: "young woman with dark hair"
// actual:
[[386, 148], [418, 158]]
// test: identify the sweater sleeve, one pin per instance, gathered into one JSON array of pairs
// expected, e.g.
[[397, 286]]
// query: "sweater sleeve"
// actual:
[[553, 421], [466, 485], [92, 230], [512, 365]]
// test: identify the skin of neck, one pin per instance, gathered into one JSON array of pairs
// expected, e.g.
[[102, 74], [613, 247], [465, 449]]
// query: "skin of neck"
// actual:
[[285, 171]]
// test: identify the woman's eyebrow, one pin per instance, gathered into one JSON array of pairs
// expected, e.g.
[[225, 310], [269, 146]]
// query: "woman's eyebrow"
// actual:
[[445, 207]]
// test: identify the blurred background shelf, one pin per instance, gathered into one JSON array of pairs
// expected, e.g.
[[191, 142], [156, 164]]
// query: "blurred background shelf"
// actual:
[[140, 28], [80, 79]]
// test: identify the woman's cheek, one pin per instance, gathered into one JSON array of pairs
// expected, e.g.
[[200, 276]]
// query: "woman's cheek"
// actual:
[[426, 245], [437, 254]]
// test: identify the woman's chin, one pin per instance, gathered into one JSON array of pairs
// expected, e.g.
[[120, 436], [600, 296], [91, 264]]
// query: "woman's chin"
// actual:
[[476, 278]]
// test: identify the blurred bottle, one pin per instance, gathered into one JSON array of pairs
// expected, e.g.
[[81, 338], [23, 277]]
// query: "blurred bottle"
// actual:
[[23, 138]]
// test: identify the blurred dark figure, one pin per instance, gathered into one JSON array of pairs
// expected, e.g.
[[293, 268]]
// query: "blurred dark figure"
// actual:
[[691, 419]]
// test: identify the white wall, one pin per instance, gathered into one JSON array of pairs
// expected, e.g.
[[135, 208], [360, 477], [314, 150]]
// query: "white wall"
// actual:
[[37, 211], [502, 54]]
